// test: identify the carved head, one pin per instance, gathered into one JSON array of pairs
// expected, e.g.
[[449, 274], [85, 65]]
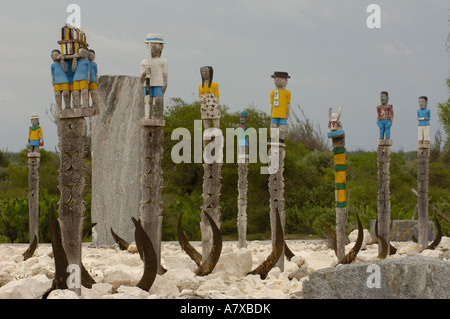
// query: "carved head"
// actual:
[[334, 123], [207, 73], [423, 102], [280, 79], [83, 52], [34, 120], [91, 55], [384, 97], [244, 118], [55, 55]]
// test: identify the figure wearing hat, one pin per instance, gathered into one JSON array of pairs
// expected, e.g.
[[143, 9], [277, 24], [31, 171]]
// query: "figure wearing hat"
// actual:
[[243, 135], [208, 93], [423, 116], [280, 100], [35, 136], [154, 75]]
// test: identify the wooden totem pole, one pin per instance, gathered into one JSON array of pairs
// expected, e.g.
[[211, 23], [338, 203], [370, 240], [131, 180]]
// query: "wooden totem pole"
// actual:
[[35, 139], [385, 113], [243, 157], [337, 136], [154, 75], [280, 100], [213, 156], [423, 153], [71, 77]]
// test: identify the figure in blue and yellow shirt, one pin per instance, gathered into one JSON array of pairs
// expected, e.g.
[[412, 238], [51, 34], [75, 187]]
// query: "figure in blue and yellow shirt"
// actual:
[[423, 116]]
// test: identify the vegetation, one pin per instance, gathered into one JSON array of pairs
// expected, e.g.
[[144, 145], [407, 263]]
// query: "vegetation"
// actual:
[[309, 184]]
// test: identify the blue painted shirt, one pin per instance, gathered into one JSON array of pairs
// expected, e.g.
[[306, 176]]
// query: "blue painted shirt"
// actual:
[[59, 76], [82, 69], [423, 113], [93, 70]]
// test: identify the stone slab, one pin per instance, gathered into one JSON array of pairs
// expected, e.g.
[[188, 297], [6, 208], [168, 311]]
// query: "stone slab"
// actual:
[[402, 230]]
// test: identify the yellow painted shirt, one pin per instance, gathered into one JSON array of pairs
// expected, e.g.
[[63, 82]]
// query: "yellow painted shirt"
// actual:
[[284, 98], [35, 134], [206, 89]]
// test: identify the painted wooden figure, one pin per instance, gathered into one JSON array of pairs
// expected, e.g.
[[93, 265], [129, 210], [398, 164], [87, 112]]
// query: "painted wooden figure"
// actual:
[[423, 116], [280, 100], [385, 116], [93, 77], [154, 76], [208, 93], [35, 135], [81, 79], [62, 79]]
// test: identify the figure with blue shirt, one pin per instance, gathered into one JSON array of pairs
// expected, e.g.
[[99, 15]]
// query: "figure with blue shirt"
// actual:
[[61, 79], [423, 116], [81, 79], [93, 77]]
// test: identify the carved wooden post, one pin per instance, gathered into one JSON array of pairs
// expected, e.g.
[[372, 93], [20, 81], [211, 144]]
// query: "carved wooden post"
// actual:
[[33, 194], [152, 182], [154, 75], [243, 157], [337, 136], [423, 153], [385, 116]]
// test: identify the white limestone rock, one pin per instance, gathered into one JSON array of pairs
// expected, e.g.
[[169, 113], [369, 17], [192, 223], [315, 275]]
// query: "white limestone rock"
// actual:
[[236, 263], [62, 294], [164, 288], [27, 288]]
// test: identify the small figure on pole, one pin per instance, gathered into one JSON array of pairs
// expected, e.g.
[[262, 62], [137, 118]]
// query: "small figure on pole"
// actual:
[[208, 93], [280, 100], [61, 79], [243, 136], [81, 79], [35, 135], [423, 116], [93, 77], [385, 117], [154, 76]]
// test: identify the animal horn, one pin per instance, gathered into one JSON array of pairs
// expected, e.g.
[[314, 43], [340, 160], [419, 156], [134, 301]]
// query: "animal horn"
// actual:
[[185, 245], [216, 249], [350, 257], [287, 252], [31, 249], [332, 235], [123, 245], [438, 238], [263, 269], [150, 263], [138, 240], [87, 229]]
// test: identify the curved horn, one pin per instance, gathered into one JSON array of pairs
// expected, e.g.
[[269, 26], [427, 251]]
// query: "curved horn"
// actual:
[[185, 245], [123, 245], [87, 229], [213, 257], [384, 248], [330, 111], [138, 241], [287, 252], [150, 263], [263, 269], [332, 235], [350, 257], [31, 249], [438, 238], [339, 113]]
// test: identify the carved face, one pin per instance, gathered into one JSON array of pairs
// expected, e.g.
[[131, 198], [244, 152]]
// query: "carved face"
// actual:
[[91, 56], [157, 49], [384, 98], [55, 56], [280, 82], [83, 53], [244, 120], [35, 122], [423, 103], [204, 71]]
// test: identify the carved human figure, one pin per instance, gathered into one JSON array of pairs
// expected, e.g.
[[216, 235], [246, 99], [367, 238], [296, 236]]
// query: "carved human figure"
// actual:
[[423, 116], [154, 76], [208, 93], [81, 79], [35, 135], [280, 100], [385, 117], [61, 79], [334, 122], [243, 135], [93, 77]]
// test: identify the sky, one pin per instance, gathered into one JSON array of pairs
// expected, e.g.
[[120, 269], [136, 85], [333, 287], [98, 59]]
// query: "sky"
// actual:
[[333, 57]]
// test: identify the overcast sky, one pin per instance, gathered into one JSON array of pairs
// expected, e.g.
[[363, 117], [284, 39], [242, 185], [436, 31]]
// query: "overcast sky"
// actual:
[[332, 56]]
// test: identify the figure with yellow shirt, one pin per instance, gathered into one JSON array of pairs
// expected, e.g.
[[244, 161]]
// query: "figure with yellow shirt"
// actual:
[[208, 93], [35, 136], [81, 78], [280, 100]]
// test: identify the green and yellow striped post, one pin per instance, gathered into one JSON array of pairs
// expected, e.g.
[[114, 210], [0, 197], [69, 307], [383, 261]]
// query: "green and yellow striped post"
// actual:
[[338, 142]]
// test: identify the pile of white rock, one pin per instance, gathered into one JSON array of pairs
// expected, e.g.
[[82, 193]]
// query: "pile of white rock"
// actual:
[[117, 272]]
